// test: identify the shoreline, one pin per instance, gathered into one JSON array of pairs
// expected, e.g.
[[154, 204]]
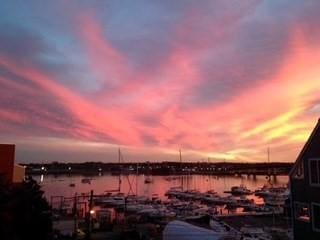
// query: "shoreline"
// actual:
[[160, 168]]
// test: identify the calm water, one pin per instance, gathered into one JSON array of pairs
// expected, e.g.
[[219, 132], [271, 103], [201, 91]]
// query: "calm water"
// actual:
[[132, 184]]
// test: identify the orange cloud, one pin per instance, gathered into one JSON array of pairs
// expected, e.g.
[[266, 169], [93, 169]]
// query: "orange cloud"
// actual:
[[107, 121], [273, 112]]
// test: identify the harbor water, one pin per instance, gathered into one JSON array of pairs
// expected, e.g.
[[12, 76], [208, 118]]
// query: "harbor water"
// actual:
[[142, 185]]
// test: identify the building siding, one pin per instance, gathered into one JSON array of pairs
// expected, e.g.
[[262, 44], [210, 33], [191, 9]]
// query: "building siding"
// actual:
[[302, 191]]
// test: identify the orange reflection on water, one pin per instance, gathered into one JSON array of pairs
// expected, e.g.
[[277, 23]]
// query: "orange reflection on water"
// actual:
[[130, 184]]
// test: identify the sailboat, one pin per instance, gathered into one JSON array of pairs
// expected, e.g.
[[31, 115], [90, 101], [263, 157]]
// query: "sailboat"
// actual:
[[86, 180], [148, 178], [119, 179]]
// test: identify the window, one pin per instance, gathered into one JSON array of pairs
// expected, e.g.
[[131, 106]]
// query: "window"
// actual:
[[316, 216], [301, 212], [314, 172], [299, 173]]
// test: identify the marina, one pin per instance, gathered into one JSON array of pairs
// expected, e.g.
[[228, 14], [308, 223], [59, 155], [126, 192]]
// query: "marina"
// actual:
[[165, 204]]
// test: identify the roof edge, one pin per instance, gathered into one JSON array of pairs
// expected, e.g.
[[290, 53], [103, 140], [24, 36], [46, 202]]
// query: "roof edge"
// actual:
[[299, 158]]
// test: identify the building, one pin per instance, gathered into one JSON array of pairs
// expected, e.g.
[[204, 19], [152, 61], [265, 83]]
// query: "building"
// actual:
[[19, 173], [305, 190], [8, 169]]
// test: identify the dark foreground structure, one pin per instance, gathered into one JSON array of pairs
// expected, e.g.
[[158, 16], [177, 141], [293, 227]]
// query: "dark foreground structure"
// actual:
[[24, 212], [7, 152], [9, 170], [305, 190]]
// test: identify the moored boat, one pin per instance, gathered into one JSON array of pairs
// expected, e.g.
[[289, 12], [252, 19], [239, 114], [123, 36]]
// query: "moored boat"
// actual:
[[148, 180], [240, 190], [86, 180]]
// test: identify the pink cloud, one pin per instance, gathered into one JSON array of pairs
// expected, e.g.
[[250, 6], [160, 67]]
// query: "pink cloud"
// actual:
[[106, 121], [272, 112]]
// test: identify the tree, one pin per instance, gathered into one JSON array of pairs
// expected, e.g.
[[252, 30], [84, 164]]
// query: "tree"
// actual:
[[24, 212]]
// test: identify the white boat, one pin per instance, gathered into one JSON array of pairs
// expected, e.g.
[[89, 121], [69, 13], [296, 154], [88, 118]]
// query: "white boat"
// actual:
[[155, 197], [277, 198], [148, 180], [209, 198], [179, 230], [240, 190], [171, 178], [174, 192], [212, 192], [137, 207], [111, 200], [137, 199], [155, 212], [266, 191], [244, 200], [86, 180], [275, 201], [229, 200]]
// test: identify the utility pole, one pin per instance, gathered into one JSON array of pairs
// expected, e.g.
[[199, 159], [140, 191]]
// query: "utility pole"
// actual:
[[89, 217], [75, 203]]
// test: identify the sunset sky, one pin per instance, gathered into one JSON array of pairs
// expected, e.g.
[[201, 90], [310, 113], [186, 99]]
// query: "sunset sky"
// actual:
[[218, 79]]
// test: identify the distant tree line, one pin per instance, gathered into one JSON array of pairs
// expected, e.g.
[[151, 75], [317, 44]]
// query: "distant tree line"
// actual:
[[157, 168]]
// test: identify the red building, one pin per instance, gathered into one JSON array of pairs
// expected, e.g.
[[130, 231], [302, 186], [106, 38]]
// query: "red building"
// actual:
[[7, 161], [8, 169]]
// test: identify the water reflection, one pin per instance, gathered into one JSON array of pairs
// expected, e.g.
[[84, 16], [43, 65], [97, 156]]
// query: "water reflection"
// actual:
[[132, 184]]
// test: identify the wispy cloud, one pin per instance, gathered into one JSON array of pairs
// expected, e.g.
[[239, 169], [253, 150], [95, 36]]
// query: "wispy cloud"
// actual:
[[221, 79]]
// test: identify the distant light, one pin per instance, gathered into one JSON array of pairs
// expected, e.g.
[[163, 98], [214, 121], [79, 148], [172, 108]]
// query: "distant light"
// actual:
[[69, 168], [100, 169], [92, 212], [42, 168]]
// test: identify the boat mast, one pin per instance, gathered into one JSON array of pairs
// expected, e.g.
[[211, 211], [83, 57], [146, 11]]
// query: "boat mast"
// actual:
[[119, 161], [180, 157], [269, 172], [137, 173]]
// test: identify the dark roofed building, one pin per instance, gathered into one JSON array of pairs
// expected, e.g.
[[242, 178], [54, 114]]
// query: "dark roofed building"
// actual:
[[305, 190]]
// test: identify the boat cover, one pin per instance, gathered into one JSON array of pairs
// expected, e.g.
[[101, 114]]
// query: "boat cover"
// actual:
[[179, 230]]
